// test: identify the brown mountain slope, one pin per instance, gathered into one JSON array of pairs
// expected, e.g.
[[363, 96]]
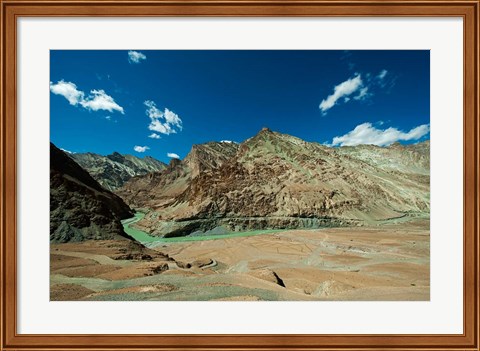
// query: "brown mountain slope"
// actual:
[[159, 189], [80, 209], [275, 180]]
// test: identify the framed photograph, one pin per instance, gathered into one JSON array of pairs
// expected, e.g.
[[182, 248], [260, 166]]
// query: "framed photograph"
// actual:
[[248, 175]]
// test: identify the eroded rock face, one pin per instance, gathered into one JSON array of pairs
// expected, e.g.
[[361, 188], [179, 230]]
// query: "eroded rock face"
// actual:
[[274, 181], [80, 208], [160, 189], [205, 157], [112, 171]]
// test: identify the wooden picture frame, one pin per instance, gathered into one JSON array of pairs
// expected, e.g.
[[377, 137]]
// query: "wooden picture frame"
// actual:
[[14, 9]]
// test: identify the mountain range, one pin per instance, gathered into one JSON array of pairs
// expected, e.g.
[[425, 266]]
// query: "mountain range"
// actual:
[[277, 181], [112, 171]]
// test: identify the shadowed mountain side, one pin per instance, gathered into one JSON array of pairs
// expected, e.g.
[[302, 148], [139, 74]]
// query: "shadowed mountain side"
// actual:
[[112, 171], [274, 180], [80, 208]]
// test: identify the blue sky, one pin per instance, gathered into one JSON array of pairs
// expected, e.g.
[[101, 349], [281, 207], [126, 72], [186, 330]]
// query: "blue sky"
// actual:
[[159, 103]]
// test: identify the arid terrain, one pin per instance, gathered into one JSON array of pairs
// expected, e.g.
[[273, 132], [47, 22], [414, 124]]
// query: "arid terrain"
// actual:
[[271, 218], [388, 262]]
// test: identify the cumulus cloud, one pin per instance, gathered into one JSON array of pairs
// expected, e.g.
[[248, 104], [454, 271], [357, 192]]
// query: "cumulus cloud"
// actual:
[[160, 127], [135, 56], [99, 100], [227, 141], [95, 101], [140, 148], [172, 155], [366, 133], [342, 90], [172, 118], [68, 90], [154, 136], [163, 122]]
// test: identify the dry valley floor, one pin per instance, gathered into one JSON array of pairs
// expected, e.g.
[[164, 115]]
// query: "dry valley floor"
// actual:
[[387, 262]]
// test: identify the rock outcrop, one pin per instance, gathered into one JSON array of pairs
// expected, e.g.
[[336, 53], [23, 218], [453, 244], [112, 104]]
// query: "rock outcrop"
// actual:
[[80, 208]]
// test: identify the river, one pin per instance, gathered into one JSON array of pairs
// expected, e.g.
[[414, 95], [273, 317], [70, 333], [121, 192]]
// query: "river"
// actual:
[[146, 238]]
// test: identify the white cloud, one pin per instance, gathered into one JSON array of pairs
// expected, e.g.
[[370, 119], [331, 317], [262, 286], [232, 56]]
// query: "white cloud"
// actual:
[[172, 155], [108, 117], [152, 110], [361, 87], [366, 133], [385, 82], [382, 74], [97, 100], [343, 89], [160, 127], [227, 141], [362, 94], [164, 122], [68, 90], [140, 148], [154, 136], [135, 56], [173, 119]]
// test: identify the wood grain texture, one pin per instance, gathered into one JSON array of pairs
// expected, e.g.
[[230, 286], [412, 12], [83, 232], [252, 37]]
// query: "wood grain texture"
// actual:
[[12, 9]]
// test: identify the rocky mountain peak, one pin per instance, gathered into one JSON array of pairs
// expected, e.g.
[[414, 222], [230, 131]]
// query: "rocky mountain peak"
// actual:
[[268, 143], [203, 157], [116, 156], [113, 170]]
